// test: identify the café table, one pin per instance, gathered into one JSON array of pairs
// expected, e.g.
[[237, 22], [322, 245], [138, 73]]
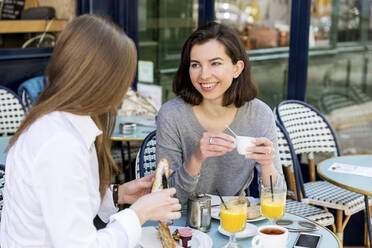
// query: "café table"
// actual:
[[356, 183], [144, 126], [328, 238], [4, 142]]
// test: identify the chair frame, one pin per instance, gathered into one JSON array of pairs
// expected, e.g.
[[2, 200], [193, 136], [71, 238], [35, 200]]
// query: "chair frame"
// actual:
[[2, 183], [142, 151], [340, 223], [296, 169], [319, 215], [9, 91], [310, 160]]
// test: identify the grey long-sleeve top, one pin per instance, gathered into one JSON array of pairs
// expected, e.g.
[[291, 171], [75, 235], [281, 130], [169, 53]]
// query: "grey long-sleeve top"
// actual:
[[179, 132]]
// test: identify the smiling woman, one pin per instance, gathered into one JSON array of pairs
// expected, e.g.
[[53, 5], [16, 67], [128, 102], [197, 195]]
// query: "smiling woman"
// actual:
[[214, 88]]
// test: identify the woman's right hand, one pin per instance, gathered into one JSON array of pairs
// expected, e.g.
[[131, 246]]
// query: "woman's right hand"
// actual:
[[157, 206], [213, 144]]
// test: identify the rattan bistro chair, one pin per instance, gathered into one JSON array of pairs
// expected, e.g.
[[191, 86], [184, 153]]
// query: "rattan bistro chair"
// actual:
[[12, 111], [146, 157], [2, 183], [287, 156], [310, 133]]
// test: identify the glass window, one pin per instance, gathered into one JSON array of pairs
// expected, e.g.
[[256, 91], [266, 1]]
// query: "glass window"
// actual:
[[370, 22], [163, 27], [349, 20], [320, 22], [21, 26], [262, 23]]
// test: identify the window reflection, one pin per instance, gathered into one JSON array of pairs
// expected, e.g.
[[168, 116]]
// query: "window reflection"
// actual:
[[349, 20], [320, 22], [262, 23], [370, 22]]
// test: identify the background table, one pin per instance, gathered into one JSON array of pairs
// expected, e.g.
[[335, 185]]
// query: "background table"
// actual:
[[4, 142], [328, 239], [144, 126], [355, 183]]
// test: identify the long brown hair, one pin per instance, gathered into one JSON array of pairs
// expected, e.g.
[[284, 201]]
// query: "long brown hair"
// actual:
[[90, 70], [242, 89]]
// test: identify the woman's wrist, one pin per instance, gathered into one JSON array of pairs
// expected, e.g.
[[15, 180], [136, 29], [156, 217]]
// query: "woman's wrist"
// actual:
[[115, 194], [193, 165], [269, 170], [121, 194]]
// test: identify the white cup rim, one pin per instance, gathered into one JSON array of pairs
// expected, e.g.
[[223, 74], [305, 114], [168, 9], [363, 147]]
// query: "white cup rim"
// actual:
[[244, 137], [285, 230]]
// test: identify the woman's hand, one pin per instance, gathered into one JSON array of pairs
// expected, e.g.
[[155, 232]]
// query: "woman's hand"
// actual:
[[263, 153], [213, 144], [210, 145], [129, 192], [157, 206]]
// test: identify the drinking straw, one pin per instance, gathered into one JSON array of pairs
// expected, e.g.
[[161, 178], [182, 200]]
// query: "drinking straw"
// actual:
[[223, 202], [271, 187], [227, 126]]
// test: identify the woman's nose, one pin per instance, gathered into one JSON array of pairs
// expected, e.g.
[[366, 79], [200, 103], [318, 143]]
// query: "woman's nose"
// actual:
[[205, 73]]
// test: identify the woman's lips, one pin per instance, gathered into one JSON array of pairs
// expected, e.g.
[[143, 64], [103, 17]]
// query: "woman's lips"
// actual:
[[208, 86]]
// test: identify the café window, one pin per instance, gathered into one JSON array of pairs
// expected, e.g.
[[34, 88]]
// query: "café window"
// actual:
[[370, 22], [320, 22], [349, 20], [33, 23], [261, 23]]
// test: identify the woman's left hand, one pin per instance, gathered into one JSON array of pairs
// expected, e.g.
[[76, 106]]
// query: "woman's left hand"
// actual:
[[263, 153], [129, 192]]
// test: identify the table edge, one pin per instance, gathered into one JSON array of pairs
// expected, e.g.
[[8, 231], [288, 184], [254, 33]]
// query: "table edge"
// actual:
[[116, 138], [360, 191], [340, 245]]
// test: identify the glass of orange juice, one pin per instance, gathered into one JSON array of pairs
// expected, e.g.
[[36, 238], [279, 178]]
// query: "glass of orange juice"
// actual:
[[233, 218], [273, 200]]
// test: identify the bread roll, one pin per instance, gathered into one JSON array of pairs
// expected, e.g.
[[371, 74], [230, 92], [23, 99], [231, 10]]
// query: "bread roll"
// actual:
[[161, 168], [165, 236], [253, 212]]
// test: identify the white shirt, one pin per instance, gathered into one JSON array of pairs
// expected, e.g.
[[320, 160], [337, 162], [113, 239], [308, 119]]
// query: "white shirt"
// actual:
[[51, 194]]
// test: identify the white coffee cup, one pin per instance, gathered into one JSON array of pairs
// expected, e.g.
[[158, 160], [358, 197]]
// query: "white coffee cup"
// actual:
[[267, 238], [242, 143]]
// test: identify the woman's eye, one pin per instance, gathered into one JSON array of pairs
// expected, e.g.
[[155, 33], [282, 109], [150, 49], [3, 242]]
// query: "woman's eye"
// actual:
[[216, 63], [194, 65]]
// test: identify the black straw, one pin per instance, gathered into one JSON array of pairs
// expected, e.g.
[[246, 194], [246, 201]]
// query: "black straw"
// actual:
[[218, 193], [271, 187]]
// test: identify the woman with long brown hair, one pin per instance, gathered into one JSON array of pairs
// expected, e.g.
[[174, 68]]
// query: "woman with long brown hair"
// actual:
[[59, 166], [215, 88]]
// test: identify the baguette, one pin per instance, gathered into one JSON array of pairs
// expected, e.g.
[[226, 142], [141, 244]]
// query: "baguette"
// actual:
[[161, 168], [165, 236]]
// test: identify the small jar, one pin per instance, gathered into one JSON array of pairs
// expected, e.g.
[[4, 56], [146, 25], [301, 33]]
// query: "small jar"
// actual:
[[185, 237], [127, 127]]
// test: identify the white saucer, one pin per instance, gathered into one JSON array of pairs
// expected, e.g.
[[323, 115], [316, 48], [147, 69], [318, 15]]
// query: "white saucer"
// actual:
[[150, 238], [249, 231], [215, 199]]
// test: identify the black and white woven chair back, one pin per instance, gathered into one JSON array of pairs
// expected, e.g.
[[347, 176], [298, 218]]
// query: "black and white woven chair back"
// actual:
[[12, 111], [287, 157], [308, 129], [26, 99], [147, 156], [2, 183]]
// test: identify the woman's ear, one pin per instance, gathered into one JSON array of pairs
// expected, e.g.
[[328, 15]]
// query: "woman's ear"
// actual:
[[239, 66]]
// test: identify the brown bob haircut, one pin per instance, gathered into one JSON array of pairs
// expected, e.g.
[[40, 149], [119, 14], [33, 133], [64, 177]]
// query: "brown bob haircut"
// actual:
[[89, 72], [242, 89]]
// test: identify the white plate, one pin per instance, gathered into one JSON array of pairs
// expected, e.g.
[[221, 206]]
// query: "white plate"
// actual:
[[150, 238], [215, 199], [249, 231], [215, 213]]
